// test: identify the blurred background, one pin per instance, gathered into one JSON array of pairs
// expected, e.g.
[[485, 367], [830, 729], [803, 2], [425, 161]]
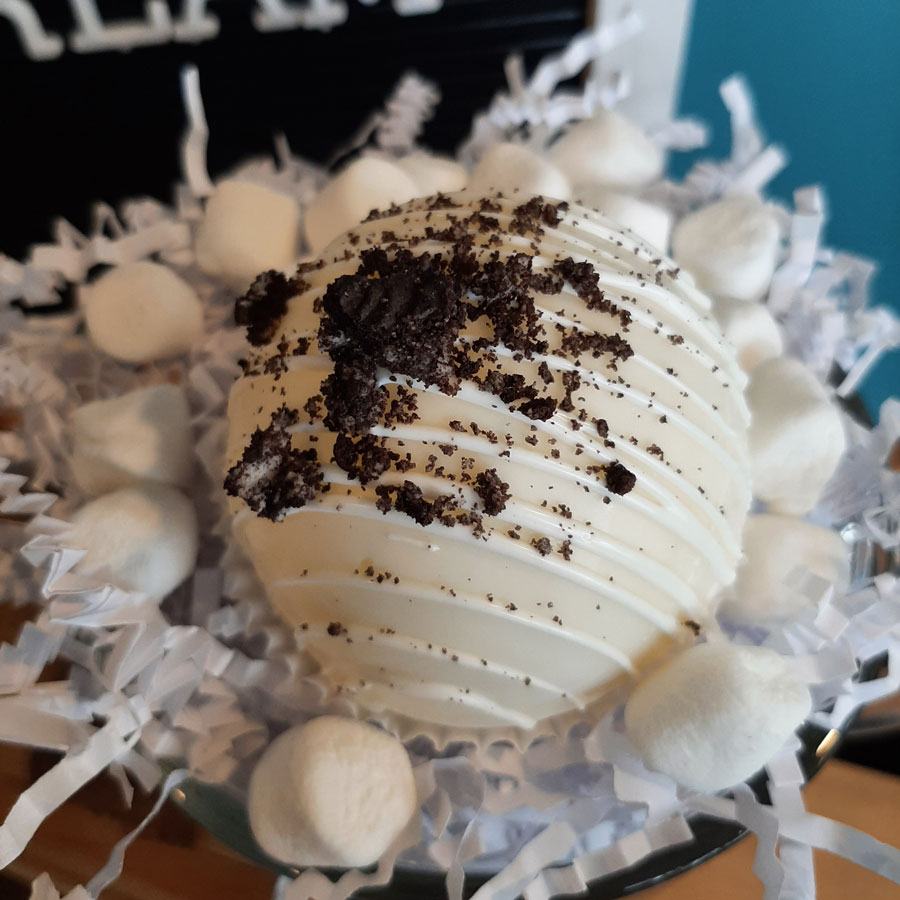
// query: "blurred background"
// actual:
[[826, 76], [105, 125], [78, 127]]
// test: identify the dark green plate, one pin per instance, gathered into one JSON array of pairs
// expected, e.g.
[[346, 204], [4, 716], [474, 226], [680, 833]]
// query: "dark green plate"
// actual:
[[223, 813]]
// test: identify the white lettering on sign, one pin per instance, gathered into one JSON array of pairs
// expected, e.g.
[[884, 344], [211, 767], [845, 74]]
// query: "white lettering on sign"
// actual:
[[320, 15], [94, 33], [416, 7], [195, 23], [30, 30]]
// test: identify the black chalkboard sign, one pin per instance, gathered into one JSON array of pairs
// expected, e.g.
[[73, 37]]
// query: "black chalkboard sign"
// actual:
[[106, 124]]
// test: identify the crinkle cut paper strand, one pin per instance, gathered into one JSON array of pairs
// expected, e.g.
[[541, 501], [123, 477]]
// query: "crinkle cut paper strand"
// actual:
[[174, 681]]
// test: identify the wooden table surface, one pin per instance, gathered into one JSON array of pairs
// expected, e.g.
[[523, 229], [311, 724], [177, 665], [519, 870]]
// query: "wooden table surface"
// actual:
[[175, 860]]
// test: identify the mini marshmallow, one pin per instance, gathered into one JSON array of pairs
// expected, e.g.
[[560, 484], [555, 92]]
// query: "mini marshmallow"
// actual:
[[730, 247], [751, 329], [650, 222], [608, 150], [515, 170], [715, 714], [367, 183], [796, 436], [247, 229], [144, 435], [780, 552], [143, 538], [433, 174], [142, 311], [332, 792]]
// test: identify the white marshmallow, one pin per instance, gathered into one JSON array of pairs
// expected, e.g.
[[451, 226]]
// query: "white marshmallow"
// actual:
[[143, 538], [608, 150], [434, 174], [796, 436], [770, 578], [730, 247], [332, 792], [367, 183], [715, 714], [648, 221], [751, 329], [142, 311], [513, 169], [144, 435], [247, 229]]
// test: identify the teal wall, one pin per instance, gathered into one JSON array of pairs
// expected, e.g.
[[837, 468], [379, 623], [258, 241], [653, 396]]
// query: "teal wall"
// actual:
[[826, 76]]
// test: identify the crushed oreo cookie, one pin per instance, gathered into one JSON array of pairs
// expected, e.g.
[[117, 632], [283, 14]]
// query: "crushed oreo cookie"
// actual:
[[272, 477], [619, 480], [365, 459], [493, 491], [541, 408], [508, 387], [403, 314], [406, 319], [530, 217], [408, 499], [354, 401], [576, 343], [263, 307]]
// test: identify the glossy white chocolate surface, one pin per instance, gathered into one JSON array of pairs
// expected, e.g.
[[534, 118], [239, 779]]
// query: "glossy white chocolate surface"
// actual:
[[439, 624]]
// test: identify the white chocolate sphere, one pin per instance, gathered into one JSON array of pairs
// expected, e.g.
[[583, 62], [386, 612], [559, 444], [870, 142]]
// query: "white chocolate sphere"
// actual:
[[573, 583]]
